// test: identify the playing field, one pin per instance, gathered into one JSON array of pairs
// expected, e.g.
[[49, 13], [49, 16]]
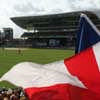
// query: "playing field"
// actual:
[[10, 57]]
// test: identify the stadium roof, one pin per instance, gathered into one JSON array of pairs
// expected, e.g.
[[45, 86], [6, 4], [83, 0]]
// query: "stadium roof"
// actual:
[[53, 21]]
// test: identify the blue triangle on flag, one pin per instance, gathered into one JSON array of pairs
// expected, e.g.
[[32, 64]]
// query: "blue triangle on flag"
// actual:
[[87, 34]]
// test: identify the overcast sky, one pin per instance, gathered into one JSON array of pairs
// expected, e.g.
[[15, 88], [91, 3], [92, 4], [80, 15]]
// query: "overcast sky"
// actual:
[[13, 8]]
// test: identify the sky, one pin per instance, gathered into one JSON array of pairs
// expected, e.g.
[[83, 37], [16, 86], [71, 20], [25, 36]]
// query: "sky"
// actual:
[[13, 8]]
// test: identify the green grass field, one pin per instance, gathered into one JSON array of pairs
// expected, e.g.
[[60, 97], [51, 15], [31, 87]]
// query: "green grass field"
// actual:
[[8, 58]]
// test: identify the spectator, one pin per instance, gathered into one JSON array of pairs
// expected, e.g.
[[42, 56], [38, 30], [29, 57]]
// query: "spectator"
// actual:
[[12, 94]]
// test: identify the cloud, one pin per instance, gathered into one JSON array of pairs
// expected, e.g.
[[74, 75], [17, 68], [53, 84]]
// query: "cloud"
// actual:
[[27, 8]]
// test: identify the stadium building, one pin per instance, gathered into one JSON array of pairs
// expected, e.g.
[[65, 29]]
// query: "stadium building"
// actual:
[[6, 35], [55, 30]]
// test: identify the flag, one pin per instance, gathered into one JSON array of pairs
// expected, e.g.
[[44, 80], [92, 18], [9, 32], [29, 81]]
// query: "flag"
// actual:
[[53, 81], [82, 71], [87, 34]]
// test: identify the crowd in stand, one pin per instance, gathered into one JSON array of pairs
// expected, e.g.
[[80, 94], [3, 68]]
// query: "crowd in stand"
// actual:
[[12, 94]]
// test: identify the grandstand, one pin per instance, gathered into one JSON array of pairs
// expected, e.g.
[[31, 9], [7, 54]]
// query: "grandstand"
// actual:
[[55, 30]]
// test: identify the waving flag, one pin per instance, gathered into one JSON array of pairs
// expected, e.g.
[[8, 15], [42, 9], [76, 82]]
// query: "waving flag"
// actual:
[[46, 82], [81, 71], [87, 34]]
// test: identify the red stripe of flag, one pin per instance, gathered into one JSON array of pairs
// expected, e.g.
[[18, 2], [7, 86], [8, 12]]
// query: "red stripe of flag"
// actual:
[[55, 92]]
